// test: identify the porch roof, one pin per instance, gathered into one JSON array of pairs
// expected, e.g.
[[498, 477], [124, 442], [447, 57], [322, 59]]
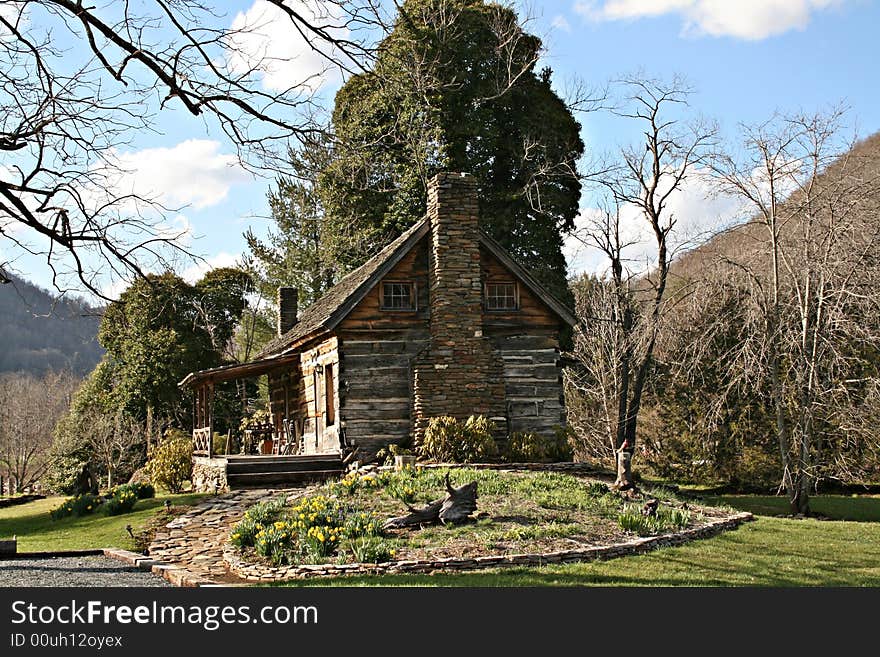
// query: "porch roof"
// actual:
[[238, 370]]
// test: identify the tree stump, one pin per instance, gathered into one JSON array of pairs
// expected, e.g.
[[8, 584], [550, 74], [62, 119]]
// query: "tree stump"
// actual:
[[455, 508]]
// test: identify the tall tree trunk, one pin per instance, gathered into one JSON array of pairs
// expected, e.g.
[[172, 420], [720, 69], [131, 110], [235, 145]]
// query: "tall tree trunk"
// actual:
[[149, 430], [622, 448], [782, 429]]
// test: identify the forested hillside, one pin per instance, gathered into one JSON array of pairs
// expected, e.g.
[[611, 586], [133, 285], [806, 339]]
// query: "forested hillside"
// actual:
[[40, 332]]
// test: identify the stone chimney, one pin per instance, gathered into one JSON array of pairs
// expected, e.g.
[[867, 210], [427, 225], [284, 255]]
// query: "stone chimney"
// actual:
[[459, 373], [288, 298], [454, 277]]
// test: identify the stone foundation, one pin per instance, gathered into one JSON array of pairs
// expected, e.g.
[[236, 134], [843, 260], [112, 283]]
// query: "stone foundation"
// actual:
[[209, 475]]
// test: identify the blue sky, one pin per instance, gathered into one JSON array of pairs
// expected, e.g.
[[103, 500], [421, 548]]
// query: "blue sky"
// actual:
[[745, 59]]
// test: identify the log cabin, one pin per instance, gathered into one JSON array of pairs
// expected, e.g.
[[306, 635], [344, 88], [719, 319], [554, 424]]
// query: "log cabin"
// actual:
[[442, 321]]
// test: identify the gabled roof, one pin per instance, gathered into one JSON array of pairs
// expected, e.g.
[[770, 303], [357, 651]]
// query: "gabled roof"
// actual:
[[338, 301], [563, 311], [326, 313]]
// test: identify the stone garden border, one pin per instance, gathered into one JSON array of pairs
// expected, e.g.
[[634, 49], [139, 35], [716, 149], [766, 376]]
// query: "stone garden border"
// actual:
[[263, 573]]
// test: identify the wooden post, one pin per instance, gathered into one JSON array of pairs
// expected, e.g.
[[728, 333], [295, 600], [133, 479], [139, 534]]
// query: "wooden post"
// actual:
[[210, 410]]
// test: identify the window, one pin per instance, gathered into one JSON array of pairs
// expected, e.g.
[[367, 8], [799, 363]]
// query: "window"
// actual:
[[398, 296], [501, 296], [329, 395]]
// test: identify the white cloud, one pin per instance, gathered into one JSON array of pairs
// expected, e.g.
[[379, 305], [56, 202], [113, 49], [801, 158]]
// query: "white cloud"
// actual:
[[742, 19], [196, 271], [268, 41], [698, 212], [193, 173], [561, 23]]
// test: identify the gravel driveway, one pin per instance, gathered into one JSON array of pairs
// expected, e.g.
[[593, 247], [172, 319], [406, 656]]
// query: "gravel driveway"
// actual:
[[74, 571]]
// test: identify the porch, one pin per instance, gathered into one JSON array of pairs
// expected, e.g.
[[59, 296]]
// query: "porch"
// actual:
[[218, 473], [283, 450]]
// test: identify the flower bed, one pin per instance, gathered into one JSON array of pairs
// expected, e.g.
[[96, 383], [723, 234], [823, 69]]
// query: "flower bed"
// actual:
[[522, 516]]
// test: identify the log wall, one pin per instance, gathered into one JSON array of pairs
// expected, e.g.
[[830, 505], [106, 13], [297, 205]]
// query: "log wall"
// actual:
[[298, 392], [375, 389], [532, 382]]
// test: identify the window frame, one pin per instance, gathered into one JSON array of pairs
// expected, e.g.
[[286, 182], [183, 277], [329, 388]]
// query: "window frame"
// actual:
[[516, 297], [414, 296]]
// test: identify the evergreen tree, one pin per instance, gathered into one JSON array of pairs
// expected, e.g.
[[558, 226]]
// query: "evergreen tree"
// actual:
[[454, 88], [296, 251]]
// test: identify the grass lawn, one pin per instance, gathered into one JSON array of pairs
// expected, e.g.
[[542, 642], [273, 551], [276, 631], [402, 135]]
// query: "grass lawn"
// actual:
[[37, 532], [768, 552]]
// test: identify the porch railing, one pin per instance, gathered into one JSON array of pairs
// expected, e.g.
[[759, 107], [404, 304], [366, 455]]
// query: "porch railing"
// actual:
[[202, 441]]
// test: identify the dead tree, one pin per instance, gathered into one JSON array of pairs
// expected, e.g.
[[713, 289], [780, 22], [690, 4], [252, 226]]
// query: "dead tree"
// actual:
[[69, 113], [809, 276], [637, 190], [455, 508]]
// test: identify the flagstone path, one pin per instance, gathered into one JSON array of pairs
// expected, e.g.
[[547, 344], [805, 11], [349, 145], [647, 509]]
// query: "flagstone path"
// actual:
[[194, 541]]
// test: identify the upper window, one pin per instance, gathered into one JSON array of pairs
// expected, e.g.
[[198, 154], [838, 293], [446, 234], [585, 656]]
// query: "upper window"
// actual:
[[398, 296], [501, 296]]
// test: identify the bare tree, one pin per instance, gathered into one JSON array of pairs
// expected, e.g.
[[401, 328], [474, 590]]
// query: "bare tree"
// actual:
[[117, 441], [623, 321], [29, 409], [68, 111], [810, 268]]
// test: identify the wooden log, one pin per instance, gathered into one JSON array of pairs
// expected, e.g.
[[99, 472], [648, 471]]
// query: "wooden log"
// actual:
[[455, 508], [459, 503]]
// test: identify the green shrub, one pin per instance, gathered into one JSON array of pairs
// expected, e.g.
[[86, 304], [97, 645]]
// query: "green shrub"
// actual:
[[254, 520], [597, 489], [218, 444], [141, 490], [632, 520], [534, 448], [449, 439], [673, 517], [80, 505], [362, 524], [370, 549], [244, 533], [266, 511], [310, 531], [403, 489], [120, 500], [666, 519], [170, 464], [525, 448], [275, 540]]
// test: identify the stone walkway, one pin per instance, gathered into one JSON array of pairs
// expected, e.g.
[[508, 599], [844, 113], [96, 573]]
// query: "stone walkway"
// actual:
[[195, 540]]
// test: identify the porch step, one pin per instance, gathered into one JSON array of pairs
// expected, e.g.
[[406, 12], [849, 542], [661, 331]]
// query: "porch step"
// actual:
[[254, 464], [245, 471], [257, 479]]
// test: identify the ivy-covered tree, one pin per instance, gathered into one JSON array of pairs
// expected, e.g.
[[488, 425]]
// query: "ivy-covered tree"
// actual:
[[454, 87], [162, 328]]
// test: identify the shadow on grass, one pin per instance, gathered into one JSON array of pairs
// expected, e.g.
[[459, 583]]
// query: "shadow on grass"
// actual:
[[830, 507]]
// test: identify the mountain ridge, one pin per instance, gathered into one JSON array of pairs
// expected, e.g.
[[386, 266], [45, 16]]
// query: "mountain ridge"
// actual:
[[42, 332]]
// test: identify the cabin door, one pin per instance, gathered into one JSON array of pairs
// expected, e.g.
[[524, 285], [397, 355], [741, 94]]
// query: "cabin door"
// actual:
[[316, 382]]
